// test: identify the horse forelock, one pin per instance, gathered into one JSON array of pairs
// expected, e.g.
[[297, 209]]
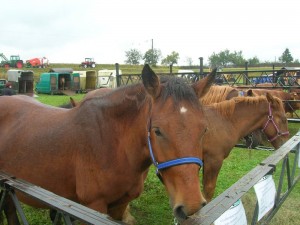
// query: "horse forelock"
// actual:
[[179, 90]]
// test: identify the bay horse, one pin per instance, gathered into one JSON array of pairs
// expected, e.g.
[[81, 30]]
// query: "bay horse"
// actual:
[[230, 120], [99, 153]]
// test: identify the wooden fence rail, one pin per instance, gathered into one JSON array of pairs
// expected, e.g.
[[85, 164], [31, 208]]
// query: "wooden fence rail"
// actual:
[[66, 209], [224, 201]]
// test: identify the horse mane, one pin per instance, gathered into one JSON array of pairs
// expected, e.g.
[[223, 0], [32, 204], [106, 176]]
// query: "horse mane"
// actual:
[[226, 108], [216, 94], [179, 89]]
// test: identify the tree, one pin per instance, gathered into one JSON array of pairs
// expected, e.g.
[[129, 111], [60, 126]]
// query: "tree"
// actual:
[[221, 59], [171, 59], [286, 56], [253, 61], [189, 61], [133, 57], [226, 58], [152, 56], [236, 58]]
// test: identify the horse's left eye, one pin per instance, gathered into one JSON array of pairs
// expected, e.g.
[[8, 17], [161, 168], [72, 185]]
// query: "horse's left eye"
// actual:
[[157, 132]]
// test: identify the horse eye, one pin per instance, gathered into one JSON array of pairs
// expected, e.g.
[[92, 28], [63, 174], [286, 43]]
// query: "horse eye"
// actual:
[[157, 132]]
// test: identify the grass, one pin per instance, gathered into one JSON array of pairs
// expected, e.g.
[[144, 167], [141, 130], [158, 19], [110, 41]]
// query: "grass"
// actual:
[[152, 207]]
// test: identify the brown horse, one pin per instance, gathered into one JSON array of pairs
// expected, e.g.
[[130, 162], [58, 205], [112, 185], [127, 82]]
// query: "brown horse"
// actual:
[[99, 153], [286, 97], [221, 93], [233, 119]]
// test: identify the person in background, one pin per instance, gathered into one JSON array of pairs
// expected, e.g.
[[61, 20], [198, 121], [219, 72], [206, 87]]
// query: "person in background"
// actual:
[[8, 89]]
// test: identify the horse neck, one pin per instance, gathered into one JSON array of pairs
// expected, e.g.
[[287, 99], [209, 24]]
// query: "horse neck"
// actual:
[[249, 116], [123, 118], [246, 116]]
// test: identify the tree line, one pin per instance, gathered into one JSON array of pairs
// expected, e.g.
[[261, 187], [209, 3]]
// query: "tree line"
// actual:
[[224, 58]]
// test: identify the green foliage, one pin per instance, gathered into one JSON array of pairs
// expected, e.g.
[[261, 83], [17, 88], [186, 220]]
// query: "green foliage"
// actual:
[[220, 59], [226, 58], [152, 56], [171, 59], [286, 56], [253, 61], [133, 57]]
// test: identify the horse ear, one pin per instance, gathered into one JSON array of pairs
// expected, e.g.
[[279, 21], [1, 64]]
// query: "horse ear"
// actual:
[[250, 92], [201, 87], [73, 103], [269, 97], [151, 81]]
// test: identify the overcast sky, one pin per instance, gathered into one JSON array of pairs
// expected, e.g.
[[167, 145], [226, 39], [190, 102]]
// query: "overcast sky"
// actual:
[[67, 31]]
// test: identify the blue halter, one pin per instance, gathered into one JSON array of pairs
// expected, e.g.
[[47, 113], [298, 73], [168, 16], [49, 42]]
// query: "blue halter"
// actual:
[[170, 163]]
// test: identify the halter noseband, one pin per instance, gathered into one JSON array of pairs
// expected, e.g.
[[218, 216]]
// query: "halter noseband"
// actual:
[[170, 163], [271, 119]]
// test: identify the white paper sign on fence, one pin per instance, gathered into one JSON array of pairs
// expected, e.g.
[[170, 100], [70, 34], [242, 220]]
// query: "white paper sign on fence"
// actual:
[[235, 215], [265, 192]]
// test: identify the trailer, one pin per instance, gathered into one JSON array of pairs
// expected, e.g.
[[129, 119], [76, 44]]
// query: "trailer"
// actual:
[[59, 81], [88, 80], [21, 80], [107, 78], [2, 84]]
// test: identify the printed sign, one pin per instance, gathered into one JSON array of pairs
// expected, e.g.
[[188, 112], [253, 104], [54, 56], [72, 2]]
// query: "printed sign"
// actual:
[[235, 215], [265, 192]]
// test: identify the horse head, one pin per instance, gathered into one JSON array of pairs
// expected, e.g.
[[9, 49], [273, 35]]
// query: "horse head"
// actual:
[[276, 126], [175, 138]]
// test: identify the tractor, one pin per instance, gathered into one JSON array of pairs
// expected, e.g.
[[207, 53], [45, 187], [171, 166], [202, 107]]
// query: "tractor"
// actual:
[[14, 61], [88, 62]]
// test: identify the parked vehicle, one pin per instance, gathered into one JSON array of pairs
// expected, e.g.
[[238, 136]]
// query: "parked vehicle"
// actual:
[[37, 63], [107, 78], [88, 80], [2, 84], [88, 62], [59, 81], [21, 80], [14, 61]]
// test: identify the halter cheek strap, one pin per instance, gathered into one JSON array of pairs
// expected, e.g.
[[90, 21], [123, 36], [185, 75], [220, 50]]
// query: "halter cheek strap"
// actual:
[[271, 120]]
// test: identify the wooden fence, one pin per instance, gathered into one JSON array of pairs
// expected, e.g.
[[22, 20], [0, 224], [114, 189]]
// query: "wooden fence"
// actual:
[[289, 170]]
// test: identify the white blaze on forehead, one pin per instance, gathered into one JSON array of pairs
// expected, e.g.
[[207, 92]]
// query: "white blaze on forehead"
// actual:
[[183, 109]]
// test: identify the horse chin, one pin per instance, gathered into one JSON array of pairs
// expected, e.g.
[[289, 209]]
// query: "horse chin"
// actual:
[[181, 214], [278, 143]]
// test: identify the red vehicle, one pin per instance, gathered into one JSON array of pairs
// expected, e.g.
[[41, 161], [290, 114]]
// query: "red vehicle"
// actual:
[[89, 62], [37, 63]]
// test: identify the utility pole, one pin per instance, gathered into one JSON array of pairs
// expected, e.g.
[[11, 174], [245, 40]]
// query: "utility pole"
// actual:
[[152, 51]]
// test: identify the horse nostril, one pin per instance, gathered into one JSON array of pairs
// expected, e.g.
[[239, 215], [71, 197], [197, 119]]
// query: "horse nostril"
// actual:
[[179, 213], [203, 204]]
